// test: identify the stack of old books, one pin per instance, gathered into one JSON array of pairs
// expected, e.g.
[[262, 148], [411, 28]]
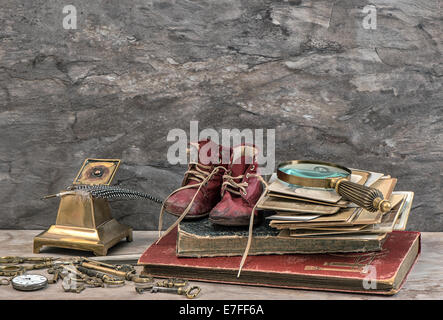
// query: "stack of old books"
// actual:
[[307, 238]]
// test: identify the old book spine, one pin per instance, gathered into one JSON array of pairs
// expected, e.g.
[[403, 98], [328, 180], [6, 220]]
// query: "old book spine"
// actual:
[[189, 245]]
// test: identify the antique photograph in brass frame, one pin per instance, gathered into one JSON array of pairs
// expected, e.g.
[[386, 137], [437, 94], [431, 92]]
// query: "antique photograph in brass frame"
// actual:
[[84, 222], [97, 171]]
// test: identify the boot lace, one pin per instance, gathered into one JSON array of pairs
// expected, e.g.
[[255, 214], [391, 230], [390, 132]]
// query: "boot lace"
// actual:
[[231, 186], [195, 172], [251, 219]]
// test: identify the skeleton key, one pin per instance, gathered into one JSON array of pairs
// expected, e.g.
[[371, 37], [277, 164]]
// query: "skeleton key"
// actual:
[[141, 289], [171, 283], [56, 275], [70, 285], [190, 293]]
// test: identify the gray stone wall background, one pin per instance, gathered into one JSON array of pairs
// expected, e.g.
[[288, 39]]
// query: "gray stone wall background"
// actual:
[[133, 70]]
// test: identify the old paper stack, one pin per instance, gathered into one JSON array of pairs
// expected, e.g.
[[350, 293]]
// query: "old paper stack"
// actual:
[[300, 212]]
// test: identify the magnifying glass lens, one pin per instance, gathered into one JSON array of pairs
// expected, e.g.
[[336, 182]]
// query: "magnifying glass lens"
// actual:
[[318, 174], [314, 171]]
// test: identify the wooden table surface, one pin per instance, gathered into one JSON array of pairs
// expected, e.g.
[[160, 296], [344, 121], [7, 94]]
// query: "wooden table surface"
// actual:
[[424, 281]]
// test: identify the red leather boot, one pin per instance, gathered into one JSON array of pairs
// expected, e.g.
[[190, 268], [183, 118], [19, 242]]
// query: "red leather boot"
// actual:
[[209, 193], [201, 186], [241, 189]]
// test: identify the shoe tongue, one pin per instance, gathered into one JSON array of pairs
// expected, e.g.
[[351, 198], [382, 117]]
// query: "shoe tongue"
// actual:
[[240, 165], [242, 158]]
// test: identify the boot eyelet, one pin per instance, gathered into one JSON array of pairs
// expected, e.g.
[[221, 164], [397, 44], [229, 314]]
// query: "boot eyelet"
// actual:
[[253, 167]]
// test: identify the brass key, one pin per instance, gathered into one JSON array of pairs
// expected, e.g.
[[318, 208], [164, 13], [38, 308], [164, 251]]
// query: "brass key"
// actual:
[[128, 275], [70, 285], [56, 275], [190, 293], [141, 289], [173, 282], [104, 278]]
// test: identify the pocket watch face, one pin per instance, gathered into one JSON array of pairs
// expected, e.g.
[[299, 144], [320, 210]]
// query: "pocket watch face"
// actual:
[[29, 282]]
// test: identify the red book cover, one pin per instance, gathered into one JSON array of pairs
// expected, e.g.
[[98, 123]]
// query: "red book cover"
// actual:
[[381, 272]]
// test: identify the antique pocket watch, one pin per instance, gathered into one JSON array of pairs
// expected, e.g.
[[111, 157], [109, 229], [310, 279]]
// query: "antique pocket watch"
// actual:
[[30, 282]]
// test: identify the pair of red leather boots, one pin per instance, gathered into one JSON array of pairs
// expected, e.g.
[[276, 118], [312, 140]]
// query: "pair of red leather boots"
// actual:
[[227, 193]]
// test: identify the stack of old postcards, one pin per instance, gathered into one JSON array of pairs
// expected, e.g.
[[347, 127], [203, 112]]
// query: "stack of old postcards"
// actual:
[[307, 213]]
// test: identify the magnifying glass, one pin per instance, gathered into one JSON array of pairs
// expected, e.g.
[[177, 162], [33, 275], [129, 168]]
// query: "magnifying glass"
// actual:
[[319, 174]]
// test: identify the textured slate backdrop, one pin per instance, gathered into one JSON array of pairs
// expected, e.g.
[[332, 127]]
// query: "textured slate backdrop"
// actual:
[[133, 70]]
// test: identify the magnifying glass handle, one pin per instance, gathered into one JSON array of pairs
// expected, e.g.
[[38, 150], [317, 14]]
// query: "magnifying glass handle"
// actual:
[[368, 198]]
